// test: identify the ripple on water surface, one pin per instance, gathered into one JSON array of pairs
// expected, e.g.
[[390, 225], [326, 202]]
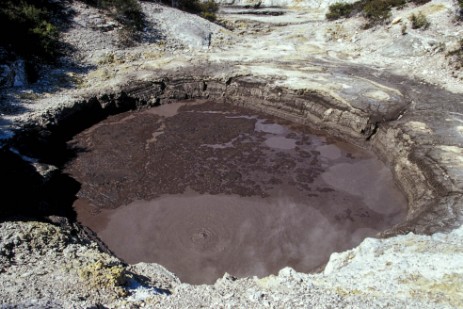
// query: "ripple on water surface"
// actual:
[[206, 188]]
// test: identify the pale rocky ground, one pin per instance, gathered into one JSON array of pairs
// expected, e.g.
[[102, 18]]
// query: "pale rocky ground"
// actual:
[[45, 266], [42, 265]]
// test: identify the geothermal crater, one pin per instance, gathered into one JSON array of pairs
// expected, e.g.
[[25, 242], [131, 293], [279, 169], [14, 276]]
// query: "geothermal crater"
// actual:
[[205, 188]]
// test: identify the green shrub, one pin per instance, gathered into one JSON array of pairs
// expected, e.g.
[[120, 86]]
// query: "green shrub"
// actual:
[[209, 10], [206, 9], [377, 11], [339, 10], [419, 21], [27, 29], [401, 3], [419, 2]]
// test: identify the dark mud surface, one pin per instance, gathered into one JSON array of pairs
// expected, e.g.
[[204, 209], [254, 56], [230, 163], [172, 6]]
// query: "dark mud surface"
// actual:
[[205, 189]]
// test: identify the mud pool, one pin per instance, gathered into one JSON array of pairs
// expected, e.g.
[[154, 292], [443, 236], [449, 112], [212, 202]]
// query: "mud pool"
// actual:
[[204, 189]]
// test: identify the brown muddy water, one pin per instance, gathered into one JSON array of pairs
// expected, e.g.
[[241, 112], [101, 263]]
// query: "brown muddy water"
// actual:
[[204, 189]]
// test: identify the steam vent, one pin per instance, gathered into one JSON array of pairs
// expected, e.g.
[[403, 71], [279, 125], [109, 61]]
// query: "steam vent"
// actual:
[[231, 154]]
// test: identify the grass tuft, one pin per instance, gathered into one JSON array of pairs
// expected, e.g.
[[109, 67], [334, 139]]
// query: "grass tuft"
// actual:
[[339, 10], [419, 21]]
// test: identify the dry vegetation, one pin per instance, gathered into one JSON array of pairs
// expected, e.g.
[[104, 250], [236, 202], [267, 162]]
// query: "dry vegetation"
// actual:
[[375, 11]]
